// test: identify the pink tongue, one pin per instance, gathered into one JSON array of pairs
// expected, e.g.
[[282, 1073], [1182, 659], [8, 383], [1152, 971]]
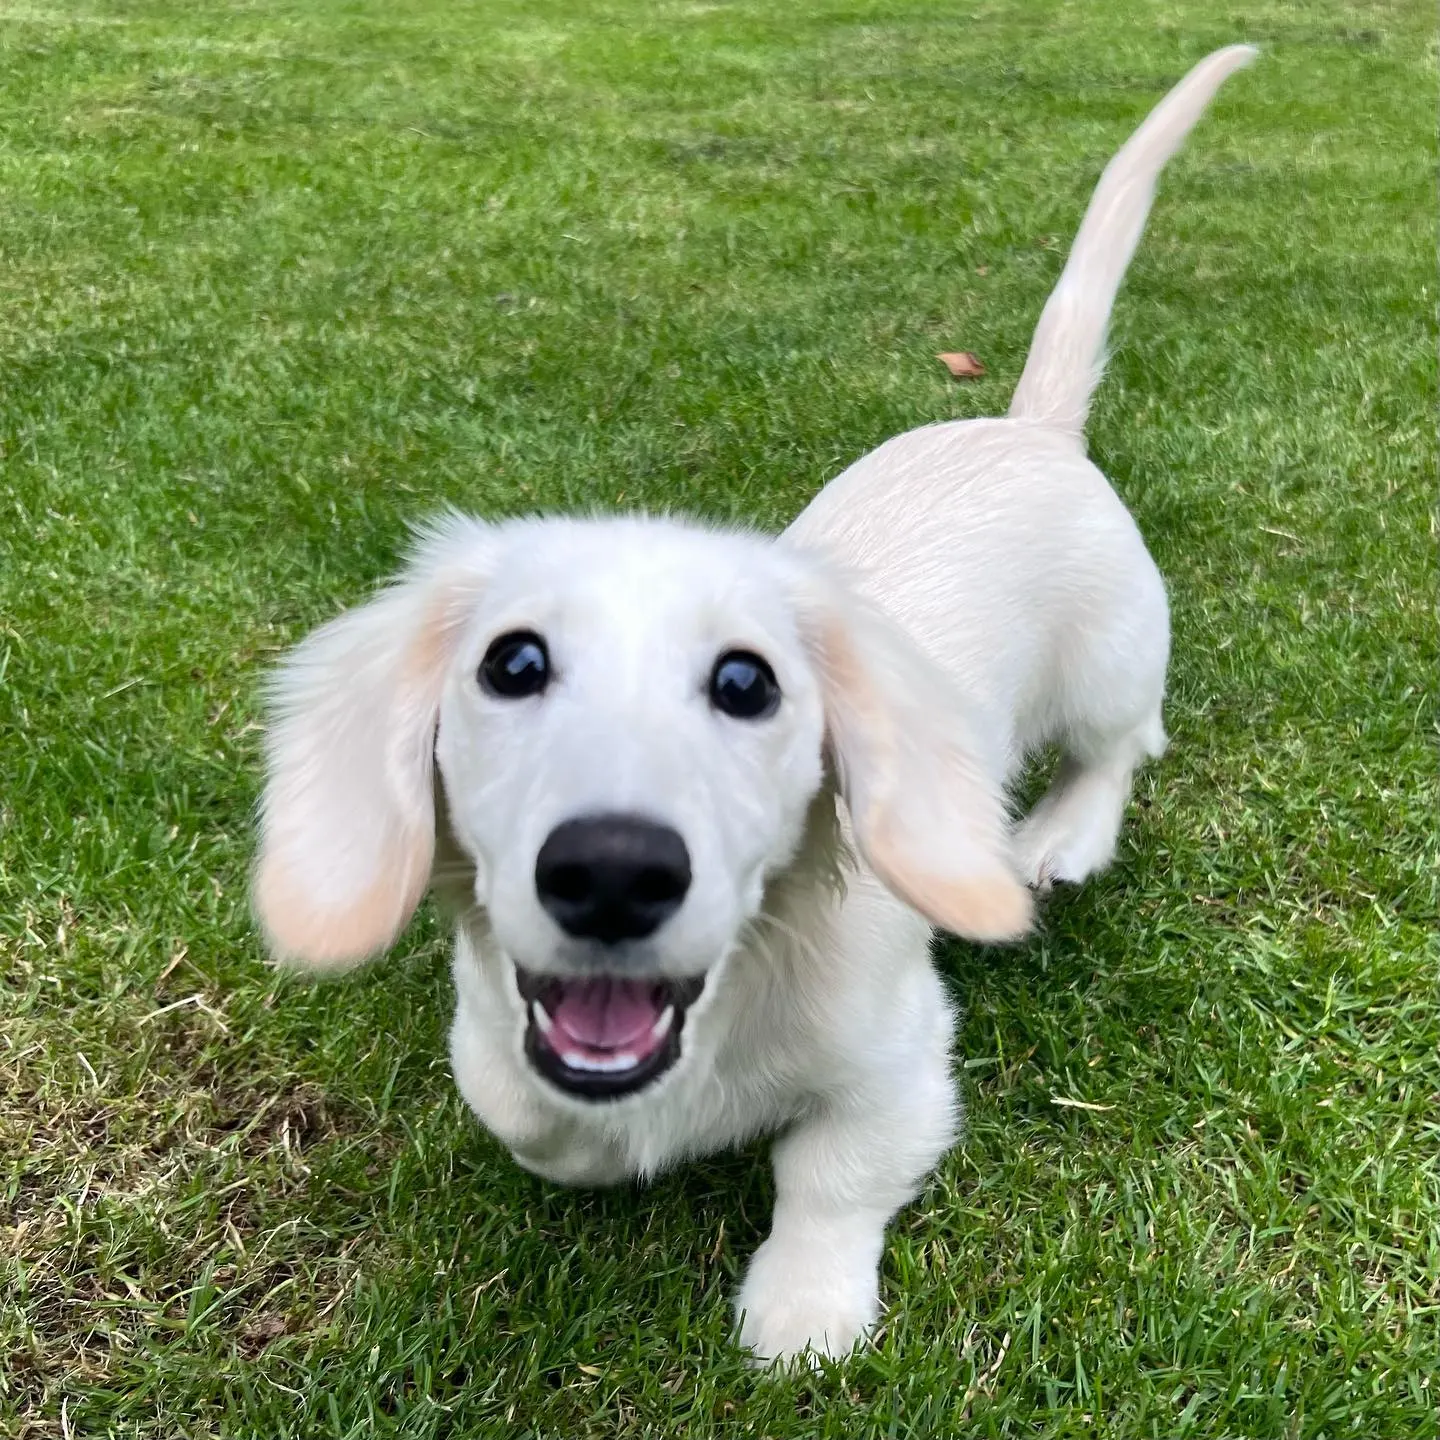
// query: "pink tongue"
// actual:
[[606, 1013]]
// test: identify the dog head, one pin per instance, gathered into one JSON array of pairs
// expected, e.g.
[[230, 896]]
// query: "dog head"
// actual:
[[630, 720]]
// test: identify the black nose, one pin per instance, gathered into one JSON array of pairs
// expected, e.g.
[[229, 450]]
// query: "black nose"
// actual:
[[612, 877]]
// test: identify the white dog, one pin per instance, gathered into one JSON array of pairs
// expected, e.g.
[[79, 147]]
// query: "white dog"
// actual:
[[617, 745]]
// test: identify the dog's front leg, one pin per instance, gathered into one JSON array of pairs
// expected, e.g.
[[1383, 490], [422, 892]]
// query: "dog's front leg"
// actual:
[[840, 1175]]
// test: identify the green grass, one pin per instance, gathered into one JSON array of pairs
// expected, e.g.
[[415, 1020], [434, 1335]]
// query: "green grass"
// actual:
[[280, 277]]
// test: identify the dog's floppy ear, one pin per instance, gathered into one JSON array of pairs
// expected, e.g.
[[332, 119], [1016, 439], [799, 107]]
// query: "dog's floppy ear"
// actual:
[[926, 807], [347, 820]]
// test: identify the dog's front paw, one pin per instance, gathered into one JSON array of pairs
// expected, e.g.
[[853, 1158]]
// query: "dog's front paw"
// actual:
[[798, 1297]]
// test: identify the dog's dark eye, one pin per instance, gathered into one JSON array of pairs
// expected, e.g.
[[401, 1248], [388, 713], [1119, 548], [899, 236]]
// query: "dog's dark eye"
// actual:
[[515, 665], [742, 685]]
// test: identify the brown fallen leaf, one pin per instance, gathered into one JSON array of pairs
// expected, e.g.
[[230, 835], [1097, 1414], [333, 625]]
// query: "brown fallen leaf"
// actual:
[[263, 1329], [961, 364]]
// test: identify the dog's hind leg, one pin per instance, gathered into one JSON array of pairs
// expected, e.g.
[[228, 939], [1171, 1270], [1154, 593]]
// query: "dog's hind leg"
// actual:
[[1071, 833], [1104, 710]]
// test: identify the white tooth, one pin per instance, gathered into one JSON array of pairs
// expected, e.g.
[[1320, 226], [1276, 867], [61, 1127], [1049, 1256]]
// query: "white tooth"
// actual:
[[614, 1063], [662, 1026], [542, 1019]]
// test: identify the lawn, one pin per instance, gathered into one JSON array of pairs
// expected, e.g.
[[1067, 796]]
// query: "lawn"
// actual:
[[279, 278]]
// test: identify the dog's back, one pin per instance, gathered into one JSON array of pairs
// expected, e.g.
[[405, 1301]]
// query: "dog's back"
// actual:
[[1003, 552]]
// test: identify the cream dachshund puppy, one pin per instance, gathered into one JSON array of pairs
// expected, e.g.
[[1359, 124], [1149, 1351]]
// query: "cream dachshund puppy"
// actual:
[[618, 747]]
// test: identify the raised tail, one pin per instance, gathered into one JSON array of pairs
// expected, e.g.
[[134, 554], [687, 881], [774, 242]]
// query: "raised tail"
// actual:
[[1067, 354]]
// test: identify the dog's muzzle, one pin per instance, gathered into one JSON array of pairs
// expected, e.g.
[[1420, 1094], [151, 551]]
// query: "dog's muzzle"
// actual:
[[600, 1037]]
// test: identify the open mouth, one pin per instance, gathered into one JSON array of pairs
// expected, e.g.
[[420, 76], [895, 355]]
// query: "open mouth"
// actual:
[[601, 1036]]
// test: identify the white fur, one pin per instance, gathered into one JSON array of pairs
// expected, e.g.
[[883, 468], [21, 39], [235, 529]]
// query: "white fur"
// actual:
[[960, 596]]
